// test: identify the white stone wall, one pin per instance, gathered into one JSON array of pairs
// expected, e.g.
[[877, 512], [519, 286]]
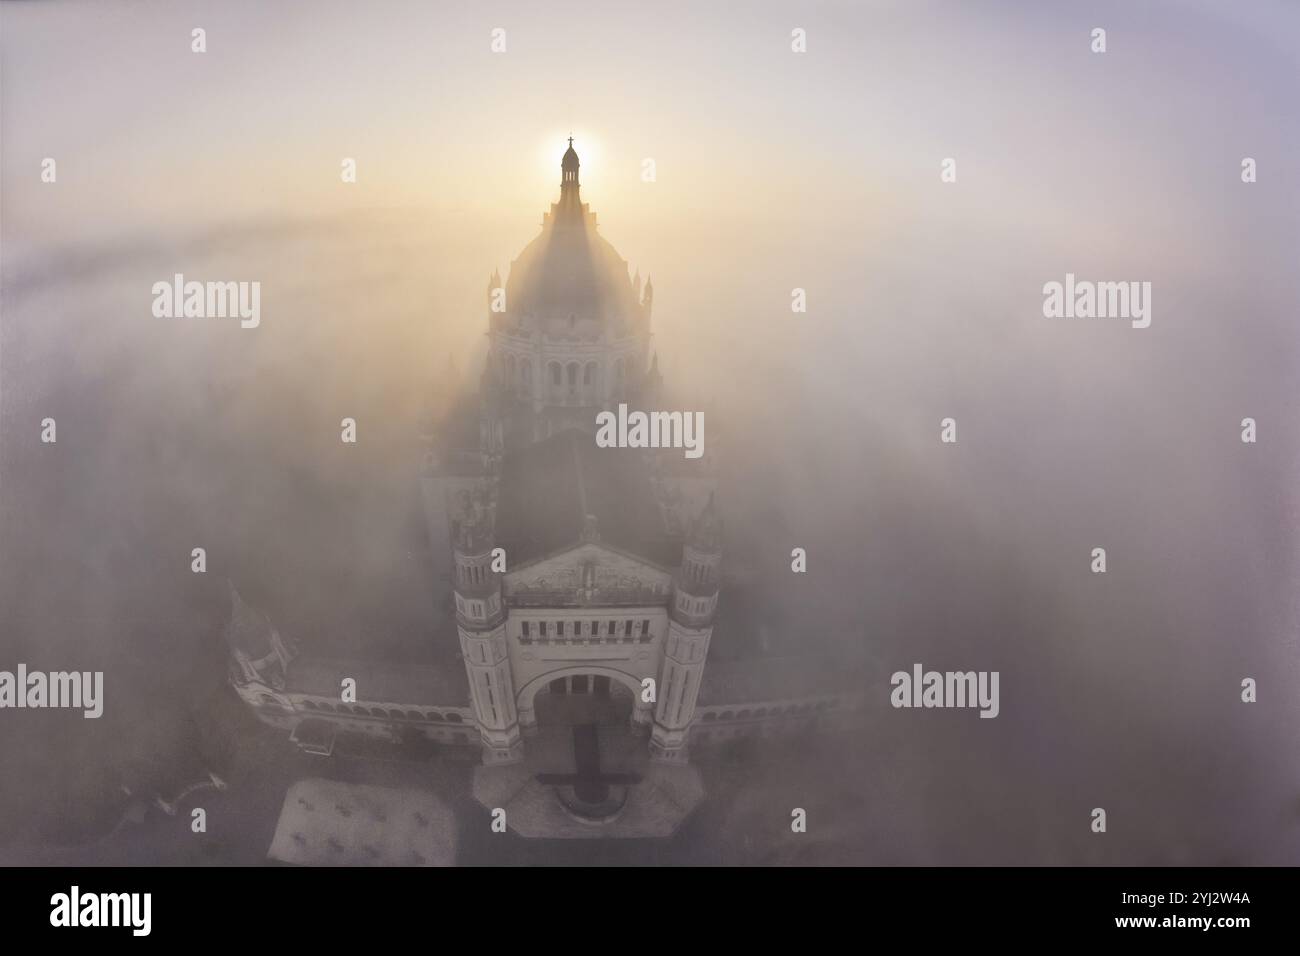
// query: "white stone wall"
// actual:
[[717, 723], [535, 663]]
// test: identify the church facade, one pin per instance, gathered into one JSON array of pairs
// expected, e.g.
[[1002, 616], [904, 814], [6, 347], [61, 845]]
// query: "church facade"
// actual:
[[583, 581], [574, 570]]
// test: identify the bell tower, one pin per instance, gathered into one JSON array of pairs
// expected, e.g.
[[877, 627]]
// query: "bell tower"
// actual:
[[481, 623], [690, 625], [569, 174]]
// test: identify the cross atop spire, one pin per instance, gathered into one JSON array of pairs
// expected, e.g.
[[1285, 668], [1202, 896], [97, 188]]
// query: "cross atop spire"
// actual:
[[569, 173]]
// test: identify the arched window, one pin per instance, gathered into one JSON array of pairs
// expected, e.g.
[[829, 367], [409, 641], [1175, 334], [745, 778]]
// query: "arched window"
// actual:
[[573, 374], [454, 719], [434, 716], [308, 705], [526, 371], [589, 374], [556, 374], [378, 712]]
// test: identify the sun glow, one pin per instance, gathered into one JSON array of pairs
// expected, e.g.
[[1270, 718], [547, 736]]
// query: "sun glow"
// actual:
[[586, 143]]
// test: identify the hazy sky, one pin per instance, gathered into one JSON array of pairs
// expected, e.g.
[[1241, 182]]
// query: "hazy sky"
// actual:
[[735, 122], [816, 160]]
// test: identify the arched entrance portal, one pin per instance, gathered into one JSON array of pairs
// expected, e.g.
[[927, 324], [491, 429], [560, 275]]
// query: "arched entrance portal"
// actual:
[[584, 726], [576, 699], [580, 694]]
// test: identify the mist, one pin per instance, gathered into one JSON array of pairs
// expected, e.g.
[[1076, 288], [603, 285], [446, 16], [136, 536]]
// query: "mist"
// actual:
[[1118, 690]]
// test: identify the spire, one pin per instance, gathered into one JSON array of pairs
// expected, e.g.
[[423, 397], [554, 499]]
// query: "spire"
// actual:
[[569, 168], [649, 296], [706, 533], [247, 630]]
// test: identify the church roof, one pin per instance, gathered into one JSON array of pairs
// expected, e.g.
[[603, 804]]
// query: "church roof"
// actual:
[[569, 269], [548, 489], [378, 682]]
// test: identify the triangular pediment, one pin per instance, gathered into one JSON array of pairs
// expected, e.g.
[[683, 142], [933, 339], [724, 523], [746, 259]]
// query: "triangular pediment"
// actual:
[[589, 573]]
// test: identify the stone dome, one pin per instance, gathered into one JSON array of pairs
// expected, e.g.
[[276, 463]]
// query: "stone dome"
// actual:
[[570, 270]]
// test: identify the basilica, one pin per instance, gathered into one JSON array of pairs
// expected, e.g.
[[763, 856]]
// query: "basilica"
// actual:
[[607, 574], [583, 579]]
